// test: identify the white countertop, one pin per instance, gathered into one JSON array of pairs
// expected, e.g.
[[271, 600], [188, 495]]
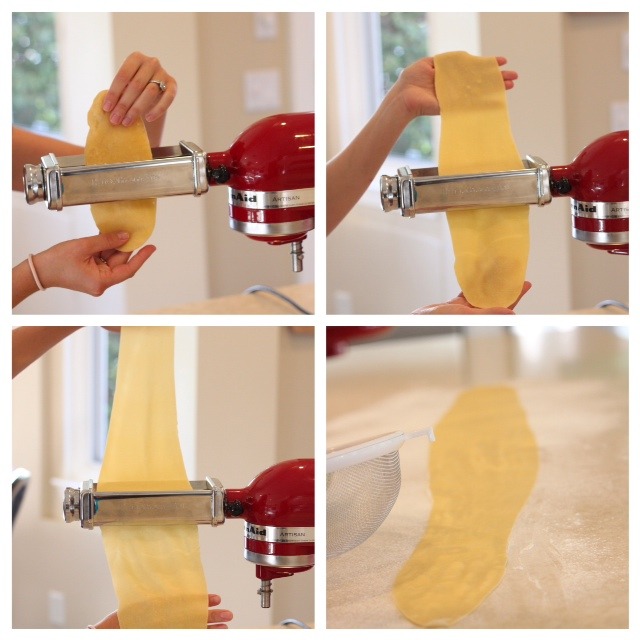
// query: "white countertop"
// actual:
[[568, 551], [258, 303]]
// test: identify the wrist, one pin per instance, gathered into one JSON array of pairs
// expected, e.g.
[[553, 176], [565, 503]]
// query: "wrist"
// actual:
[[34, 272], [23, 284], [41, 271], [396, 106]]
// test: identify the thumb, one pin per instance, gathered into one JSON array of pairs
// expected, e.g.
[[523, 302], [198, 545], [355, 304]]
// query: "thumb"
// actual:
[[105, 241]]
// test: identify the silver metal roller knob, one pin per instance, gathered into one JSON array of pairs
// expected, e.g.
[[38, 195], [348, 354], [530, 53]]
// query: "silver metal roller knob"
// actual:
[[389, 192], [71, 505], [33, 180]]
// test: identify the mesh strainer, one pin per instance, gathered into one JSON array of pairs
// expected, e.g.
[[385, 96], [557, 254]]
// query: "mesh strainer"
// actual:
[[363, 481]]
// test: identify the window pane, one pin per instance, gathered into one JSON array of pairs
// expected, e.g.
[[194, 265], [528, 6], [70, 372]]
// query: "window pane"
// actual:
[[403, 40], [35, 72], [106, 363], [114, 348]]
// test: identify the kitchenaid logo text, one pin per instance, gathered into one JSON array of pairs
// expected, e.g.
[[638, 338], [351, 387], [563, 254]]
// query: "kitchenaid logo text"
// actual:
[[461, 190], [580, 206], [278, 534], [255, 531], [243, 197], [239, 196], [600, 210], [120, 180], [271, 199]]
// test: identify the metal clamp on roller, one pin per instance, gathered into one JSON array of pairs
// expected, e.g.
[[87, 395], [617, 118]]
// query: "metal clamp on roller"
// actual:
[[278, 508], [424, 191], [204, 504], [68, 181]]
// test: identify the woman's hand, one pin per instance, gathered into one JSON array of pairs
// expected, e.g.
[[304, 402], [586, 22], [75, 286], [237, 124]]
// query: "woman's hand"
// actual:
[[460, 306], [132, 95], [417, 89], [90, 265], [350, 173], [216, 618]]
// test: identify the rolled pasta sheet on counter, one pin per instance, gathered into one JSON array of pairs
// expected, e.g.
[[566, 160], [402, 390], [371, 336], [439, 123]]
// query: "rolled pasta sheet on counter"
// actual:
[[482, 468]]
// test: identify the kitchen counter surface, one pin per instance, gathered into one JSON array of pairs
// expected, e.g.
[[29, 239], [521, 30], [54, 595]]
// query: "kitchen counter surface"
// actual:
[[568, 551], [260, 302]]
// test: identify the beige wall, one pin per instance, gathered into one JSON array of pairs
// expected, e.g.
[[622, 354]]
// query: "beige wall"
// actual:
[[177, 272], [229, 48], [537, 113], [254, 408], [595, 79], [249, 408], [570, 67]]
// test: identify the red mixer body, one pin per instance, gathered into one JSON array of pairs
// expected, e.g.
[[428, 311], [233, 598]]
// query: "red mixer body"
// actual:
[[269, 170], [597, 181], [278, 509]]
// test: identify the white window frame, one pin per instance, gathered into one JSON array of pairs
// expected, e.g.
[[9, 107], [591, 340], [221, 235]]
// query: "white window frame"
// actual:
[[393, 161], [360, 87], [359, 76], [100, 394], [86, 66], [70, 382]]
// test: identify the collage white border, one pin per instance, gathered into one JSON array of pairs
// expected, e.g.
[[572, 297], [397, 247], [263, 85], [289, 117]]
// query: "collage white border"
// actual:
[[320, 319]]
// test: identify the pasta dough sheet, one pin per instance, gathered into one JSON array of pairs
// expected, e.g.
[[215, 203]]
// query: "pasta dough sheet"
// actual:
[[156, 570], [491, 245], [483, 466], [109, 144]]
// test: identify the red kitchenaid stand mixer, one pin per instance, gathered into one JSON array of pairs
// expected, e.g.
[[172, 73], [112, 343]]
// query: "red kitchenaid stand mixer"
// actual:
[[278, 508], [269, 171], [597, 182]]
